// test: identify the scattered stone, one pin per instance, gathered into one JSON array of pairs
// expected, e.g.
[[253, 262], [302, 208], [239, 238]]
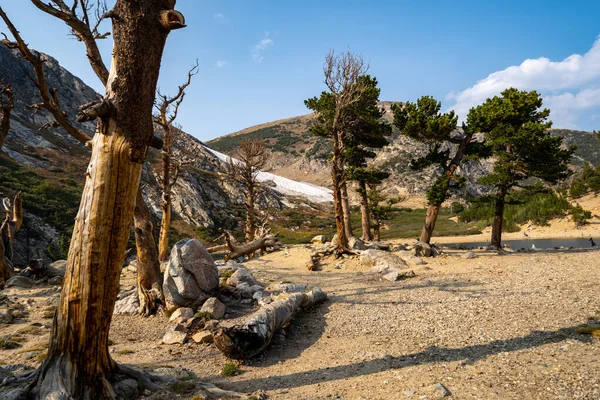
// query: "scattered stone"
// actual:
[[20, 281], [439, 391], [55, 281], [320, 239], [203, 337], [214, 307], [128, 388], [147, 392], [410, 259], [242, 275], [407, 274], [339, 265], [422, 249], [246, 301], [176, 326], [211, 325], [132, 267], [355, 243], [182, 314], [408, 393], [6, 316], [469, 255], [391, 274], [191, 276], [127, 305], [174, 337], [258, 296], [244, 290]]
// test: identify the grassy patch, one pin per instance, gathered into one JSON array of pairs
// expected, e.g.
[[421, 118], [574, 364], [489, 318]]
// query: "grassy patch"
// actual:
[[203, 315], [230, 368], [125, 351], [8, 343], [49, 312], [31, 330], [593, 330], [182, 387]]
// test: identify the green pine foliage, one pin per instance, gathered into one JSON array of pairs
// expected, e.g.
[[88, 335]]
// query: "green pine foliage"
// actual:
[[588, 180], [580, 216]]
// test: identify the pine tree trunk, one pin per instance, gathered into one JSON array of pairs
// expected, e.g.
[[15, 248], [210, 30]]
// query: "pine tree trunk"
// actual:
[[250, 224], [376, 231], [364, 211], [346, 208], [149, 278], [430, 220], [165, 221], [498, 217], [336, 177], [78, 364]]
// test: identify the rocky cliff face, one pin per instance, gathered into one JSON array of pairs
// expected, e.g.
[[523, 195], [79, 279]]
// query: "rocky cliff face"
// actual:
[[48, 166]]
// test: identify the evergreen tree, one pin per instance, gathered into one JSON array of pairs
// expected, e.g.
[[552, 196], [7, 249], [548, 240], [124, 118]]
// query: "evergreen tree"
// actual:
[[517, 131], [424, 122]]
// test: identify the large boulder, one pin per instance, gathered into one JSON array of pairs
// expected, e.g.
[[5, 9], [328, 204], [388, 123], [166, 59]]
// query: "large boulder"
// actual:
[[355, 243], [320, 239], [191, 276], [214, 307], [384, 263]]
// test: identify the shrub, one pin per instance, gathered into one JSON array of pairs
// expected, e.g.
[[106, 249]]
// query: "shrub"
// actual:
[[230, 368], [580, 216]]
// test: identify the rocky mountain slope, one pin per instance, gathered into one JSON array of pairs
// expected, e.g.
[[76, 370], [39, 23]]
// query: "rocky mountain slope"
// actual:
[[300, 155], [48, 166]]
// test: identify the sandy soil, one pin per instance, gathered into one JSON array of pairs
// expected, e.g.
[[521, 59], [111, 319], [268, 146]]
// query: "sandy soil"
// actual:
[[497, 326]]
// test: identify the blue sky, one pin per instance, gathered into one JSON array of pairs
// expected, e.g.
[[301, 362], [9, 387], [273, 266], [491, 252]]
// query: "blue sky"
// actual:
[[260, 59]]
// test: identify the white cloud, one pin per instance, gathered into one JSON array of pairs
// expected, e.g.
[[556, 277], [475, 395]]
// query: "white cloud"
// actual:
[[567, 87], [218, 16], [221, 63], [259, 48]]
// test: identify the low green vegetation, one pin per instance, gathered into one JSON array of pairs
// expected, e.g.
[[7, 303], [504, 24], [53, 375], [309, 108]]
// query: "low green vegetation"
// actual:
[[536, 204], [230, 368], [588, 180]]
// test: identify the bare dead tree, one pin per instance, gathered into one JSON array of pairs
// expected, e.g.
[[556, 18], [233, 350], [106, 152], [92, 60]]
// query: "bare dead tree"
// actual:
[[341, 78], [167, 108], [242, 168], [6, 105], [78, 364], [10, 226], [77, 17]]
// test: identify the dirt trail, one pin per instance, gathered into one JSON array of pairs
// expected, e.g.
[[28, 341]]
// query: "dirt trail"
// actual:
[[489, 327]]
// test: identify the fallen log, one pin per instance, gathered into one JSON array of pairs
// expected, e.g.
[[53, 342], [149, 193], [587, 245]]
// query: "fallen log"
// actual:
[[240, 250], [251, 337], [217, 249]]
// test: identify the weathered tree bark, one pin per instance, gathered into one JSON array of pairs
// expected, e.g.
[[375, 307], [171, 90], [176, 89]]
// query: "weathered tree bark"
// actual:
[[430, 220], [6, 106], [346, 208], [165, 205], [9, 228], [240, 250], [498, 217], [254, 335], [376, 231], [78, 364], [336, 178], [364, 212], [149, 278], [250, 220]]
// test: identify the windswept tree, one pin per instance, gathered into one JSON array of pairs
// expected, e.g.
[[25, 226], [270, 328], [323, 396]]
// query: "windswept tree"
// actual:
[[6, 105], [78, 364], [13, 220], [242, 168], [517, 131], [342, 73], [168, 107], [424, 122], [366, 131]]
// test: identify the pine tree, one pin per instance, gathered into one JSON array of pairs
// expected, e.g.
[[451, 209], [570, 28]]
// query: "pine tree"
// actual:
[[424, 122], [517, 131]]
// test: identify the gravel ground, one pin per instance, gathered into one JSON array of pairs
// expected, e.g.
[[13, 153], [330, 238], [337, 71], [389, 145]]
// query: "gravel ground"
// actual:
[[489, 327]]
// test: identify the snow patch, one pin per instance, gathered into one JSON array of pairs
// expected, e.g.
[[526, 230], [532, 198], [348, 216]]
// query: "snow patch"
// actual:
[[286, 186]]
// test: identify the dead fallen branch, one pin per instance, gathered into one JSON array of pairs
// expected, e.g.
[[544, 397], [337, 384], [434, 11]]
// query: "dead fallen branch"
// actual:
[[260, 244], [251, 337]]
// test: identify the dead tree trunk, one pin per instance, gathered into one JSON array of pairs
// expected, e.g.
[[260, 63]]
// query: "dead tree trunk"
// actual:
[[240, 250], [6, 106], [250, 221], [11, 225], [364, 212], [165, 205], [376, 230], [78, 364], [254, 335], [149, 278]]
